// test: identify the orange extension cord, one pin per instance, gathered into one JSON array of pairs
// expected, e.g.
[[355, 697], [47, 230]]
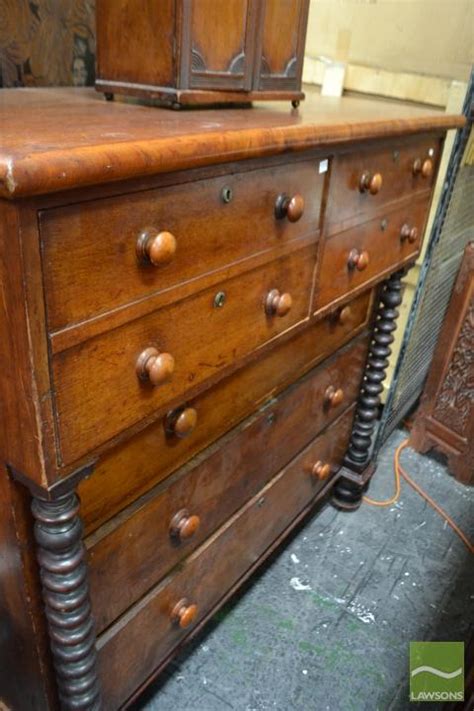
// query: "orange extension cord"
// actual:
[[388, 502]]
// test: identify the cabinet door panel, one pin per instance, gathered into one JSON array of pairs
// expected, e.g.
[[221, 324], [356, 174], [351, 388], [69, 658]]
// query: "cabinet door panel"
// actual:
[[280, 45], [218, 44]]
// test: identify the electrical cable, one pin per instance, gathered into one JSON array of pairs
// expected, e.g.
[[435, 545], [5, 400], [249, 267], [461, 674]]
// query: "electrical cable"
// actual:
[[399, 471]]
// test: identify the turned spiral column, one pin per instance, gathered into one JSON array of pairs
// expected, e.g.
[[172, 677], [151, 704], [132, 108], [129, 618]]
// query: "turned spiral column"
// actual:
[[348, 492], [61, 553]]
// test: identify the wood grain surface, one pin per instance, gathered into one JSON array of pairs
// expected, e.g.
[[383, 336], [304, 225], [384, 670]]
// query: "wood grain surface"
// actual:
[[133, 467], [381, 241], [98, 393], [97, 142], [90, 249], [394, 163], [146, 633], [138, 550]]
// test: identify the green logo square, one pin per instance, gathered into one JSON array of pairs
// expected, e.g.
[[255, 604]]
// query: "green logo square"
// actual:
[[436, 671]]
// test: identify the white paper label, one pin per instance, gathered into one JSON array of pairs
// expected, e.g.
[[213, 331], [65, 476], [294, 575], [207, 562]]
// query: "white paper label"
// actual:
[[323, 165]]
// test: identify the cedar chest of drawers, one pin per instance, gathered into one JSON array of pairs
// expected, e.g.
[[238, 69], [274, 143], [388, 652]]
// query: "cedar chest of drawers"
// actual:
[[196, 316]]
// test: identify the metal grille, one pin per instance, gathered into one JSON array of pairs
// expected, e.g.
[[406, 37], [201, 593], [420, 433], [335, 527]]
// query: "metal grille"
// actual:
[[453, 227]]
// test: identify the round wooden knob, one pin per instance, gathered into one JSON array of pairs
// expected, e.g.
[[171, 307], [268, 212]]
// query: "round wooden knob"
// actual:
[[295, 208], [321, 471], [181, 422], [408, 233], [427, 168], [289, 207], [183, 525], [154, 366], [345, 315], [358, 260], [333, 396], [277, 304], [370, 182], [157, 248], [423, 167], [183, 613]]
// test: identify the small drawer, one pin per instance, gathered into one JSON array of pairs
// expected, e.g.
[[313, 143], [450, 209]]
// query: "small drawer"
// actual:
[[103, 254], [146, 634], [356, 257], [130, 469], [112, 381], [146, 541], [363, 182]]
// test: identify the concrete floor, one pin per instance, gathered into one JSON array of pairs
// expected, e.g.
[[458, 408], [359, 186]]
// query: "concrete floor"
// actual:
[[327, 624]]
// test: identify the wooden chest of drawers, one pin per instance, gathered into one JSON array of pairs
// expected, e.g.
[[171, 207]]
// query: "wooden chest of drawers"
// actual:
[[196, 315]]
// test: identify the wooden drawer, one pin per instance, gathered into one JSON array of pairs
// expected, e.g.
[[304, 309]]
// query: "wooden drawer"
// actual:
[[98, 390], [394, 163], [89, 250], [353, 258], [144, 636], [129, 470], [138, 548]]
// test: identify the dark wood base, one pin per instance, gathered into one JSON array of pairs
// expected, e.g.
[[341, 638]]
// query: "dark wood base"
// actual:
[[176, 99], [428, 434], [351, 487]]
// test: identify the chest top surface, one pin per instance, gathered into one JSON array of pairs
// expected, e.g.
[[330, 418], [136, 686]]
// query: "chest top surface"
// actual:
[[57, 139]]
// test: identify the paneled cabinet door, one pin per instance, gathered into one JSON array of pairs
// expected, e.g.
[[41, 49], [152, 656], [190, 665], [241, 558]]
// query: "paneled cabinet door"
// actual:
[[218, 44], [280, 44]]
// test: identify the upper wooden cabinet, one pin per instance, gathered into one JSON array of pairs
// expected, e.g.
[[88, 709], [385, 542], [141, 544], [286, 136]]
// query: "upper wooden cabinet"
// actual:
[[280, 44], [201, 51], [218, 44]]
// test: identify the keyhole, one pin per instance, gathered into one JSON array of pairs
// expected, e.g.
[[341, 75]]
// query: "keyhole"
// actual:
[[226, 194], [219, 299]]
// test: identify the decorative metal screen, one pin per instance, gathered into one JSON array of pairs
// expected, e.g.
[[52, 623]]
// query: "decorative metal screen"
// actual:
[[453, 227]]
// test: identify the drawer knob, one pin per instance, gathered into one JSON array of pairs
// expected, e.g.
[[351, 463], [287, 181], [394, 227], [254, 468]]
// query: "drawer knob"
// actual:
[[358, 260], [183, 613], [345, 315], [333, 396], [157, 248], [181, 422], [154, 366], [184, 525], [370, 182], [408, 233], [423, 167], [277, 304], [321, 471], [289, 207]]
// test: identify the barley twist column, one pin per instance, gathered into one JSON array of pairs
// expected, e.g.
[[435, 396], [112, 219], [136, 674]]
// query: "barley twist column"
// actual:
[[61, 553], [347, 492]]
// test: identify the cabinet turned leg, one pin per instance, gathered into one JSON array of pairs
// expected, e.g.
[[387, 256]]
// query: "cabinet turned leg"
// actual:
[[358, 467], [61, 556]]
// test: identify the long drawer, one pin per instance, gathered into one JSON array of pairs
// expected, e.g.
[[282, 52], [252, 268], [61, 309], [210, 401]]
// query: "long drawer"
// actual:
[[368, 180], [355, 257], [102, 254], [142, 544], [130, 469], [111, 382], [143, 637]]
